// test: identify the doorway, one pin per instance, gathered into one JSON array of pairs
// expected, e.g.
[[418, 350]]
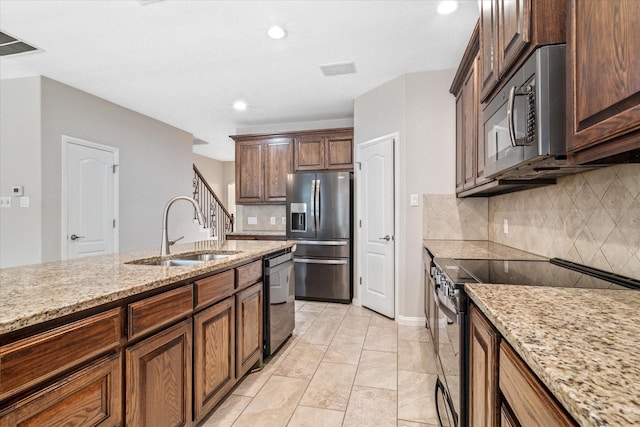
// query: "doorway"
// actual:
[[376, 206], [90, 177]]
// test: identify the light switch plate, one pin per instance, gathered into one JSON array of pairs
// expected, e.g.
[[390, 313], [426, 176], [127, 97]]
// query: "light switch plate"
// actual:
[[5, 202], [414, 200], [273, 220], [252, 220]]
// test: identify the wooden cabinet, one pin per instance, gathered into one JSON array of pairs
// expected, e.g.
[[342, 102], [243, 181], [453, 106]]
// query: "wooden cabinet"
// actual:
[[159, 379], [249, 172], [324, 151], [603, 80], [91, 396], [483, 378], [29, 361], [509, 31], [213, 356], [469, 136], [248, 328], [502, 388], [262, 166], [529, 401], [150, 314]]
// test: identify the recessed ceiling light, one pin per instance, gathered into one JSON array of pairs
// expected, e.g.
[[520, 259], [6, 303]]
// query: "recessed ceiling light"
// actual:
[[448, 6], [276, 32], [240, 105]]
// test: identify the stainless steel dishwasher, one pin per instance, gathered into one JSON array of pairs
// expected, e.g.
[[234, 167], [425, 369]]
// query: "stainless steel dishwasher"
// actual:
[[279, 300]]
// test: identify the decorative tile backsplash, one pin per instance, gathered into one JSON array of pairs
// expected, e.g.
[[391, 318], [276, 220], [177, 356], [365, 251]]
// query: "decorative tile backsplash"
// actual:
[[592, 218], [449, 218], [263, 215]]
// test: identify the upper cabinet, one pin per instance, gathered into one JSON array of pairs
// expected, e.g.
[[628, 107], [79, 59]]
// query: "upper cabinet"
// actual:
[[262, 166], [509, 31], [603, 76], [263, 161], [333, 150]]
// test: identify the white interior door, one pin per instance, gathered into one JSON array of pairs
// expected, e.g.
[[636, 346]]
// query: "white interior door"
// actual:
[[376, 211], [89, 199]]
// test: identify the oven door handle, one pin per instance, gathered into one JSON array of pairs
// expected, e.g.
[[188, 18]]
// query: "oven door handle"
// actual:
[[452, 315], [440, 388]]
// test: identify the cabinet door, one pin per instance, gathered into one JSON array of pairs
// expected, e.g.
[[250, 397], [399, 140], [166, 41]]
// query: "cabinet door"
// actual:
[[460, 146], [483, 378], [339, 152], [470, 127], [279, 156], [214, 358], [159, 381], [309, 153], [248, 328], [513, 31], [91, 396], [488, 46], [249, 172], [603, 78], [479, 157]]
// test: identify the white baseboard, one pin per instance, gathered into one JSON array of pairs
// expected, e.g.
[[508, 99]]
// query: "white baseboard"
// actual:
[[411, 321]]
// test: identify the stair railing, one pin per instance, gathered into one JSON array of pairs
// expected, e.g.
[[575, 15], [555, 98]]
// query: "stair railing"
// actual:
[[216, 216]]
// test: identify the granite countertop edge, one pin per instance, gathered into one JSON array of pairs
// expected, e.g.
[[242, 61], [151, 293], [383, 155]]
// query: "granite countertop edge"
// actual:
[[580, 397], [476, 249], [37, 293]]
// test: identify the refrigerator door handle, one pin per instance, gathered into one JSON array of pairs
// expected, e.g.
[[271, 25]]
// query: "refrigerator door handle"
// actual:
[[320, 261], [318, 201], [322, 242], [313, 205]]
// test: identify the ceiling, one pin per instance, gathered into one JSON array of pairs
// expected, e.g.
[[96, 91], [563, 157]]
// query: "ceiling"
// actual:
[[185, 62]]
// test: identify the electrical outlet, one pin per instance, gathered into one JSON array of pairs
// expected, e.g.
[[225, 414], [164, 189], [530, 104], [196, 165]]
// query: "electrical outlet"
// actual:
[[284, 220], [273, 220], [24, 202], [414, 200], [505, 226], [5, 202]]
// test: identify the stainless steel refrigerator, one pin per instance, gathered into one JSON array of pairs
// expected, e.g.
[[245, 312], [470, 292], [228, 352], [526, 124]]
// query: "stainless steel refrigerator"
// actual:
[[319, 219]]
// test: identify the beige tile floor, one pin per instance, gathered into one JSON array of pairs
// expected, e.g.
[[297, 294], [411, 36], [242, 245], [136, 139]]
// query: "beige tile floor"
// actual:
[[343, 366]]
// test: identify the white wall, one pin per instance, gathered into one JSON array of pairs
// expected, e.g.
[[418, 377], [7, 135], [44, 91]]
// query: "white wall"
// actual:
[[155, 165], [420, 109], [20, 159]]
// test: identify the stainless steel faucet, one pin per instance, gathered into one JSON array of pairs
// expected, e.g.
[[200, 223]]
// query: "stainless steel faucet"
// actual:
[[164, 248]]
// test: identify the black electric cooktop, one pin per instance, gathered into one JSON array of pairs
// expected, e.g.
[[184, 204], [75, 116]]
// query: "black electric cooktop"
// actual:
[[554, 273]]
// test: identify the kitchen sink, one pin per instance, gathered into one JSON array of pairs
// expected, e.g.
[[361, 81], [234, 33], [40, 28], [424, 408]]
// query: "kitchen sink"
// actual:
[[185, 260]]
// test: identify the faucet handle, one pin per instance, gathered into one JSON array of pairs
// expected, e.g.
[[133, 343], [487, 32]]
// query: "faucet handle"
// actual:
[[173, 242]]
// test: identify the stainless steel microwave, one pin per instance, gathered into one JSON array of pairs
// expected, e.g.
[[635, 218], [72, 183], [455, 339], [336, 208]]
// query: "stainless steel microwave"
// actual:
[[524, 124]]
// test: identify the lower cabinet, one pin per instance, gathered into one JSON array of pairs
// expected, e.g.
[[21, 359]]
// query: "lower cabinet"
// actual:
[[503, 390], [91, 396], [159, 379], [483, 377], [213, 355], [248, 328]]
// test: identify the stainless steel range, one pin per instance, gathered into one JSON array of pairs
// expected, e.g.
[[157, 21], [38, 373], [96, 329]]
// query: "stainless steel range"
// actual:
[[450, 342]]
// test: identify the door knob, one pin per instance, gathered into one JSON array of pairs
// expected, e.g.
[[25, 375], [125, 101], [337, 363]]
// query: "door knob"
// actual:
[[74, 237], [387, 238]]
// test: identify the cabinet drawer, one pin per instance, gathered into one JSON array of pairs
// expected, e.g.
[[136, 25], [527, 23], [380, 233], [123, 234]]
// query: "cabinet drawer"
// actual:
[[214, 288], [92, 396], [248, 274], [160, 310], [527, 397], [26, 362]]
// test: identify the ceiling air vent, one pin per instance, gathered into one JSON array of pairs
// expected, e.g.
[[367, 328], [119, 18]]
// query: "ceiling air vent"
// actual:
[[338, 69], [10, 45]]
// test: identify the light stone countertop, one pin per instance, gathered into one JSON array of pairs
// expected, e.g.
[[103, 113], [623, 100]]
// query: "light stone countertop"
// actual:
[[476, 249], [583, 344], [36, 293]]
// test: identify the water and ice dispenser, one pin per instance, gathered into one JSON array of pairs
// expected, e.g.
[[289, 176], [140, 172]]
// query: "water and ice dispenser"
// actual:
[[298, 218]]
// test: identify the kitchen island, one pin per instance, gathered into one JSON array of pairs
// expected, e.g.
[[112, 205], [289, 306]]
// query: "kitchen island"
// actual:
[[108, 339], [583, 344]]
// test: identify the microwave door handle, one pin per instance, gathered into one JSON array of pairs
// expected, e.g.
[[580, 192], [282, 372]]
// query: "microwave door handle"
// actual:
[[510, 121]]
